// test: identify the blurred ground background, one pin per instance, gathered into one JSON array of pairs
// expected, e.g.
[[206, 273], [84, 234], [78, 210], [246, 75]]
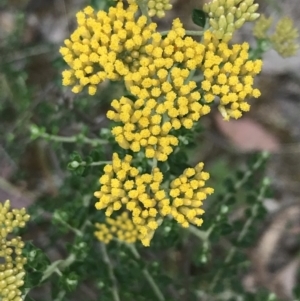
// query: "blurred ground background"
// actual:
[[31, 33]]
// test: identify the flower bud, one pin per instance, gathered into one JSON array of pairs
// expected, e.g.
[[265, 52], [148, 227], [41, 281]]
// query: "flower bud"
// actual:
[[230, 18], [214, 6], [229, 3], [253, 8], [239, 23], [254, 16], [214, 24], [238, 13], [222, 22], [219, 12], [249, 2], [243, 7]]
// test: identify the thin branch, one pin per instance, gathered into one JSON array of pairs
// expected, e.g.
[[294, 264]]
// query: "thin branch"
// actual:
[[187, 33], [97, 163], [72, 139], [111, 274], [147, 275], [28, 52]]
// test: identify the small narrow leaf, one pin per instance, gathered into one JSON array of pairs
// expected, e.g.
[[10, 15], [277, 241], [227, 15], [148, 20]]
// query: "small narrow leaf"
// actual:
[[199, 17]]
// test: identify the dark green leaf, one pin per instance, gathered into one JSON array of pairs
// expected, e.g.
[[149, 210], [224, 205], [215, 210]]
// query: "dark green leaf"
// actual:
[[199, 17]]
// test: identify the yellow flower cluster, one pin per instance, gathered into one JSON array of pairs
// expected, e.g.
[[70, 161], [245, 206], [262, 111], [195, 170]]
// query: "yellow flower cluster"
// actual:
[[11, 260], [104, 46], [284, 39], [225, 16], [122, 186], [187, 193], [121, 228], [141, 129], [229, 75], [147, 123]]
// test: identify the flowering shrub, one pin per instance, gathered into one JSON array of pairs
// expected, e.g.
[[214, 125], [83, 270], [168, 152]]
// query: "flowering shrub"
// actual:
[[157, 72], [149, 193]]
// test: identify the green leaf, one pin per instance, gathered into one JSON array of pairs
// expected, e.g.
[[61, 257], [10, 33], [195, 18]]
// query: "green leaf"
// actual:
[[75, 156], [231, 200], [229, 184], [164, 167], [37, 263], [199, 17], [69, 282], [97, 154], [226, 229]]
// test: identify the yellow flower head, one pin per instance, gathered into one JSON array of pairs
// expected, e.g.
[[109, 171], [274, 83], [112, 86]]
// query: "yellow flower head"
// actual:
[[11, 260], [187, 193], [123, 187], [104, 46], [229, 75], [146, 123], [261, 27]]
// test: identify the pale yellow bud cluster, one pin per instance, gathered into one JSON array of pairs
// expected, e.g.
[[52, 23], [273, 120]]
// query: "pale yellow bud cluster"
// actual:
[[284, 39], [121, 228], [187, 193], [11, 260], [226, 16], [158, 8], [123, 187], [229, 75], [104, 46], [261, 27]]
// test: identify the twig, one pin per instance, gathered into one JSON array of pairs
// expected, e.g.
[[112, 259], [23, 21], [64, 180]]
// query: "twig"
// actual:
[[83, 163], [71, 139], [143, 6], [29, 52], [111, 274], [147, 275], [187, 33], [202, 235]]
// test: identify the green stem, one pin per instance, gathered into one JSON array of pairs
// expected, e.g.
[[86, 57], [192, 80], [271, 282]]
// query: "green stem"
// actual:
[[143, 5], [114, 288], [202, 235], [70, 139], [98, 163], [58, 218], [59, 265], [147, 275], [187, 33]]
